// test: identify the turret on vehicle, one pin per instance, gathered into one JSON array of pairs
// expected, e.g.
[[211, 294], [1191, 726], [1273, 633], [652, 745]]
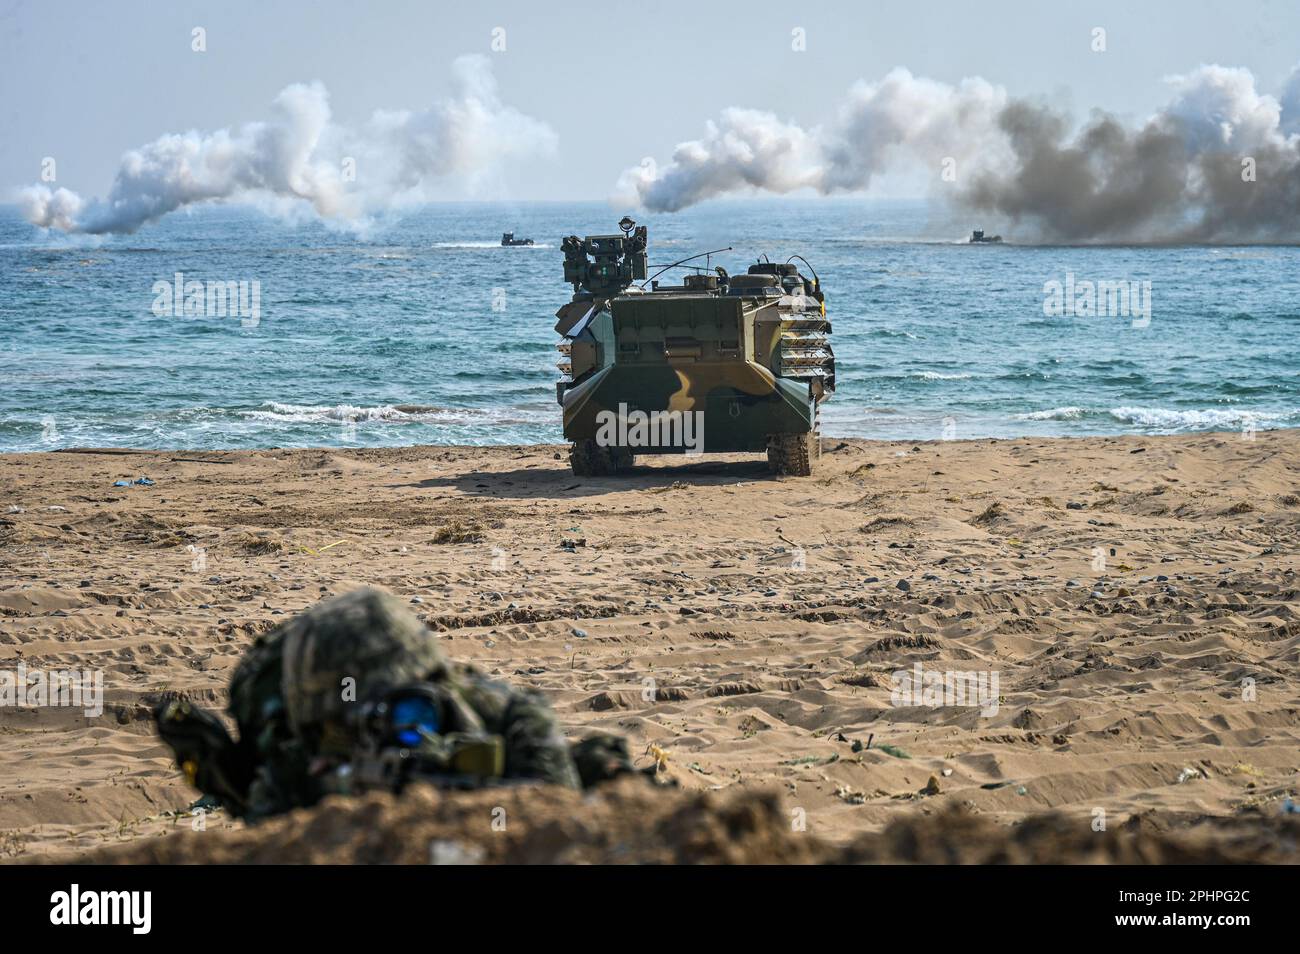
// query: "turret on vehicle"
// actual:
[[719, 363]]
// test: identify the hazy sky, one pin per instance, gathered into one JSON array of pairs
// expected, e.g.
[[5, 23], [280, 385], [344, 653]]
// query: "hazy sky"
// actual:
[[84, 81]]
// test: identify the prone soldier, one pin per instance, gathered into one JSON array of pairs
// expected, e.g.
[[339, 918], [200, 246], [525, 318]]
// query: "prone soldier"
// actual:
[[355, 694]]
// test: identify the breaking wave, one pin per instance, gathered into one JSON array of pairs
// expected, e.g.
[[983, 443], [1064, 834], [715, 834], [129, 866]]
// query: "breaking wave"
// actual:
[[1053, 414], [1164, 419], [1167, 420], [276, 412]]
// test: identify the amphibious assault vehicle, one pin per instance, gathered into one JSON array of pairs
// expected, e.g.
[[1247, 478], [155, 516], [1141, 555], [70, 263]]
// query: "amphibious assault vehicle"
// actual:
[[719, 363]]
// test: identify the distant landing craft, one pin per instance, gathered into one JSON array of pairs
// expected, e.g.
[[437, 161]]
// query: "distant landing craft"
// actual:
[[508, 238], [979, 238]]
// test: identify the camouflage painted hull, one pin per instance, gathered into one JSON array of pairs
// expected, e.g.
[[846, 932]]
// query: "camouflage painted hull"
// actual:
[[742, 404], [721, 363]]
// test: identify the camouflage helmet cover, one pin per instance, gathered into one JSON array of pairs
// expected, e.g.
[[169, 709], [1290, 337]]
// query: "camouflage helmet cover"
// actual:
[[366, 635]]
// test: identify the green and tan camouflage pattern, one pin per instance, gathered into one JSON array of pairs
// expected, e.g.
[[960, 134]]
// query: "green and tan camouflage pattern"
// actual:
[[754, 357], [291, 702]]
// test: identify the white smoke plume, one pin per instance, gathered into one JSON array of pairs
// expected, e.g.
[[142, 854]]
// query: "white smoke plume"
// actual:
[[1219, 163], [301, 154]]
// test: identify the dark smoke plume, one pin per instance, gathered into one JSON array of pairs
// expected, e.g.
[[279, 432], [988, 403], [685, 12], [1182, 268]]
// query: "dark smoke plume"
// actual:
[[1220, 163]]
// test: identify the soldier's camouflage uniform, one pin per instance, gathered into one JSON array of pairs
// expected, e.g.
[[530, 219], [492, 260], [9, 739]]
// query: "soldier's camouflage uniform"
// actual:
[[294, 698]]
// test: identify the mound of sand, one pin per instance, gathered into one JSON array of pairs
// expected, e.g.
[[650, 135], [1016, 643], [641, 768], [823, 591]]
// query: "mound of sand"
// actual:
[[632, 822]]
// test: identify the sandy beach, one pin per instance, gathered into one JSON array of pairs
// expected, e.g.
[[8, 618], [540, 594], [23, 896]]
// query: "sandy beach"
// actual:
[[1133, 601]]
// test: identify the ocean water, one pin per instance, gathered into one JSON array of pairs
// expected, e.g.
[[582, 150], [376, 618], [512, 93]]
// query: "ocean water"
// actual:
[[422, 329]]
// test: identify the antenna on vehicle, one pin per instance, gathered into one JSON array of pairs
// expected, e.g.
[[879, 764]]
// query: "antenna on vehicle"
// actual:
[[689, 258], [806, 262]]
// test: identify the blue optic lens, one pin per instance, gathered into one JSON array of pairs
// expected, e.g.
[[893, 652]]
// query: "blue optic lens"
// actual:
[[413, 715]]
